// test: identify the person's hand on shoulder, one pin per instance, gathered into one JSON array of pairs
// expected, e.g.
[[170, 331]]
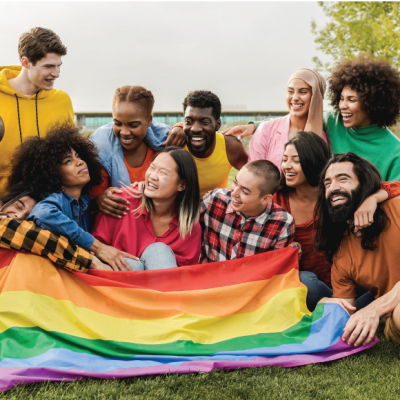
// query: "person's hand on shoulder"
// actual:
[[176, 137], [241, 130], [138, 186], [111, 205], [364, 216]]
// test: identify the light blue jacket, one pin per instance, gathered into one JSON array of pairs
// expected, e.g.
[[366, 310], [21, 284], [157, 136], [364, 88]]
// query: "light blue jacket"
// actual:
[[62, 214], [111, 153]]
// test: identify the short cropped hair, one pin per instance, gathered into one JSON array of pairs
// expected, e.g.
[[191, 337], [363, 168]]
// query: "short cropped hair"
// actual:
[[377, 83], [38, 42], [203, 99], [134, 94], [269, 174]]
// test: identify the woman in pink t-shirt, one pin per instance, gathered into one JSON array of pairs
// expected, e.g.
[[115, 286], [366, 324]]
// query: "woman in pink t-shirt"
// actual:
[[161, 227], [304, 99]]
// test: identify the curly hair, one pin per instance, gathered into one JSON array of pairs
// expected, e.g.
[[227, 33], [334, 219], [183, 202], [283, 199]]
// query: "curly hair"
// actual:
[[203, 99], [377, 83], [134, 94], [36, 163]]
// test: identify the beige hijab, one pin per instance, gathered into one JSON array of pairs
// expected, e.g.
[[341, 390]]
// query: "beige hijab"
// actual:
[[318, 85]]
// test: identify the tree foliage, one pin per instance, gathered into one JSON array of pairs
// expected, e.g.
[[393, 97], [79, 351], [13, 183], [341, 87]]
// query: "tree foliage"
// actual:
[[355, 27]]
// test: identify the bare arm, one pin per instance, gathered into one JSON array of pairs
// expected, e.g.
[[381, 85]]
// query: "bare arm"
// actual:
[[236, 152]]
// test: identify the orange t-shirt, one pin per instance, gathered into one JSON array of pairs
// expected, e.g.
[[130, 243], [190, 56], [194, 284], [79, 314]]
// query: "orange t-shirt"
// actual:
[[375, 270], [135, 174]]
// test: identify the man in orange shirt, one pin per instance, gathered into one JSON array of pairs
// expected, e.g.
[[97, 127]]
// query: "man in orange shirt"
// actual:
[[368, 258]]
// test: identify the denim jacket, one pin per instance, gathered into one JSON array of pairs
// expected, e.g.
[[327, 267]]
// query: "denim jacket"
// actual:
[[62, 214], [111, 154]]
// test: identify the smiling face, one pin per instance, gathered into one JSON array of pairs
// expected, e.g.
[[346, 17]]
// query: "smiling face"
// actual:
[[291, 167], [162, 180], [200, 127], [246, 195], [45, 72], [130, 124], [342, 191], [351, 109], [74, 171], [298, 98], [19, 209]]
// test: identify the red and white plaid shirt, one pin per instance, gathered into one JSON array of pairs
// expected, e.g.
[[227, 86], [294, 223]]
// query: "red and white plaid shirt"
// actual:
[[227, 234]]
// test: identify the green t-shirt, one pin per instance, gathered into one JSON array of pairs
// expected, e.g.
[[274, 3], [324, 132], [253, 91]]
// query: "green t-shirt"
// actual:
[[378, 145]]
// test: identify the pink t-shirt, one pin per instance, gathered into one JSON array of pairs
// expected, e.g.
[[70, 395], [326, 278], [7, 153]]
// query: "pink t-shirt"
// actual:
[[133, 234], [268, 141]]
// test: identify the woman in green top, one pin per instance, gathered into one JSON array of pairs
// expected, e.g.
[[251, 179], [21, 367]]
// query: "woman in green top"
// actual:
[[365, 95]]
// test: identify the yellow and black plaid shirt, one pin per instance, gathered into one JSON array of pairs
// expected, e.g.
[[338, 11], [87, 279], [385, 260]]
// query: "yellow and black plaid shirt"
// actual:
[[26, 236]]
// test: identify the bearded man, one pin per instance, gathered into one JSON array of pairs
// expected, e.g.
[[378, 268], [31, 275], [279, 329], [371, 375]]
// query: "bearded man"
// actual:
[[368, 258]]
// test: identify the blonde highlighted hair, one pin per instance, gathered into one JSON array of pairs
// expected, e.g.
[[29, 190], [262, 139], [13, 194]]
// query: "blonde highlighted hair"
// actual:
[[188, 201]]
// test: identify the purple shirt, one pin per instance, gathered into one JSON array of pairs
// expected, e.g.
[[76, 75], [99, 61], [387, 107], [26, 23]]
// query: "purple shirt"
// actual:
[[268, 141]]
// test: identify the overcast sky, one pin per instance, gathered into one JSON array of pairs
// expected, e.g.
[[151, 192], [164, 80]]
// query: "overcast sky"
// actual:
[[242, 51]]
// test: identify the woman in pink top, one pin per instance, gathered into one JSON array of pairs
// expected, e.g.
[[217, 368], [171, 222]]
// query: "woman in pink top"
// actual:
[[161, 229], [304, 99]]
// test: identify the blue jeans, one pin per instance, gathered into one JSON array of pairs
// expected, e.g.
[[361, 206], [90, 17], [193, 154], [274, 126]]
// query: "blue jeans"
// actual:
[[156, 256], [318, 289]]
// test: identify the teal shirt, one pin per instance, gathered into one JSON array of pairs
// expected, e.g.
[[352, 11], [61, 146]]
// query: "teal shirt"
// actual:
[[378, 145]]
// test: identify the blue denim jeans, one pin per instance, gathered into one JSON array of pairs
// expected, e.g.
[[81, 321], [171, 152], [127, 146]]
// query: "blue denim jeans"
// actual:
[[318, 289], [156, 256]]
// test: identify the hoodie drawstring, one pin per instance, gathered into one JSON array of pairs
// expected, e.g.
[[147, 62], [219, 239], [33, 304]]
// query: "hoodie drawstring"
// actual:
[[37, 116], [19, 121]]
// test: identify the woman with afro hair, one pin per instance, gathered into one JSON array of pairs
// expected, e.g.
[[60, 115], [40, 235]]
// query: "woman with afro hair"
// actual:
[[365, 95], [61, 168]]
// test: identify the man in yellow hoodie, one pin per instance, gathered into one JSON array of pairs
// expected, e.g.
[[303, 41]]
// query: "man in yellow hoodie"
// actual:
[[29, 105]]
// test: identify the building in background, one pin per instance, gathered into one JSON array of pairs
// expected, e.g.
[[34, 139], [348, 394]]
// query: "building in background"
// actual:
[[90, 121]]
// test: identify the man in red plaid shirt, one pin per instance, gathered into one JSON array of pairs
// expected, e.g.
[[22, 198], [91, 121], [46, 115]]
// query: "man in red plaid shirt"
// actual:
[[244, 221]]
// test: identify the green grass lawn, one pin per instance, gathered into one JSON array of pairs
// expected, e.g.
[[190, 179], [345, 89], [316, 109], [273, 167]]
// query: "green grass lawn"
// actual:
[[372, 374], [232, 175]]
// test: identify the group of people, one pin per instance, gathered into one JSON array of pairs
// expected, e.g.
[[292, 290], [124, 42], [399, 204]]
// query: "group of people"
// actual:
[[141, 195]]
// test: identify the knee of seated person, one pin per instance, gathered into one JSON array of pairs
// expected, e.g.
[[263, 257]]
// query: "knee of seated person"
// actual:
[[307, 277], [157, 247]]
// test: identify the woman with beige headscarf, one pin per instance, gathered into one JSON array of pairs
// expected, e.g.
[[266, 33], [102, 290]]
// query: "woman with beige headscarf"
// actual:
[[304, 99]]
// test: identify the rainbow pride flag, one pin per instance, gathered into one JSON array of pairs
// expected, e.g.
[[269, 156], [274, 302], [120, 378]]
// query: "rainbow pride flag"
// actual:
[[57, 325]]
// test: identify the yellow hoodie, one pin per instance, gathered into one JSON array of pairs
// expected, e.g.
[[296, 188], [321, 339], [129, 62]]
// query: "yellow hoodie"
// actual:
[[41, 112]]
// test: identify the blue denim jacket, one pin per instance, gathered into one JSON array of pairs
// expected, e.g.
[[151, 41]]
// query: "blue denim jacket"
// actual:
[[62, 214], [111, 154]]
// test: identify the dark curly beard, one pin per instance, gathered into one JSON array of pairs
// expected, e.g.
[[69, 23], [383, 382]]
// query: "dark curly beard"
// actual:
[[344, 212]]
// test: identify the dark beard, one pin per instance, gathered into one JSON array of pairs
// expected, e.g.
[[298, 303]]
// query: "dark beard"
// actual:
[[344, 212], [195, 151]]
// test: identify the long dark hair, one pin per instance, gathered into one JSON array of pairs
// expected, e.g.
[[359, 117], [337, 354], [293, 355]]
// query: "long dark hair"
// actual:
[[187, 201], [327, 235], [313, 153]]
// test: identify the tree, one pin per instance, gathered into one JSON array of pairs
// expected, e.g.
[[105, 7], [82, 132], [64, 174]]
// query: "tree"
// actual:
[[354, 27]]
